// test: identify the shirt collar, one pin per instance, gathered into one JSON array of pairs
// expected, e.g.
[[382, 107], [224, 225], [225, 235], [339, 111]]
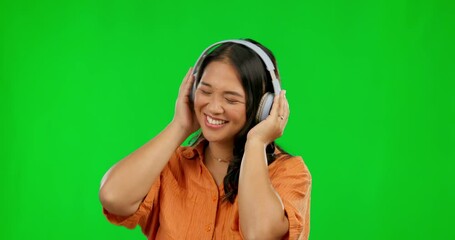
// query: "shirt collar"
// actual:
[[198, 150], [194, 151]]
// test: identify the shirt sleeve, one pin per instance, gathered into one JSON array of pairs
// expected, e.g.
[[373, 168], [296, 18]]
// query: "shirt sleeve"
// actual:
[[292, 181], [146, 215]]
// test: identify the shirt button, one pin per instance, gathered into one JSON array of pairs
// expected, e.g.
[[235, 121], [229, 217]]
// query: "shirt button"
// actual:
[[209, 228], [214, 198], [188, 154]]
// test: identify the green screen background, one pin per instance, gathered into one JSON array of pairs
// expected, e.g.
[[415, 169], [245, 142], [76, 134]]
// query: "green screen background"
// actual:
[[370, 85]]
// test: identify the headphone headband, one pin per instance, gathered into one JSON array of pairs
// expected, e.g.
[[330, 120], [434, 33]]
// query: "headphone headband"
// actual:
[[265, 58]]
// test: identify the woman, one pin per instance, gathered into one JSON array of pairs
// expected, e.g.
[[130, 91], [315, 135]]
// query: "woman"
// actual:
[[233, 182]]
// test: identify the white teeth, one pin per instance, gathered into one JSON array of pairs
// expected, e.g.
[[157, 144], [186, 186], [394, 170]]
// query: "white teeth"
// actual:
[[215, 122]]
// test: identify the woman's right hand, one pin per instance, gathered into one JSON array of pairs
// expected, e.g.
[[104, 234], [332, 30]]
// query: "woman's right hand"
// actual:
[[184, 116]]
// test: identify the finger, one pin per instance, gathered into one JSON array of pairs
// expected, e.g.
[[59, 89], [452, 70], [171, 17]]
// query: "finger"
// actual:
[[275, 107], [281, 103], [288, 110], [281, 111], [186, 80], [189, 75], [285, 106], [189, 78]]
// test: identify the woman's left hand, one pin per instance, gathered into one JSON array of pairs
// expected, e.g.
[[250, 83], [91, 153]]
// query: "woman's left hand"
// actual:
[[273, 126]]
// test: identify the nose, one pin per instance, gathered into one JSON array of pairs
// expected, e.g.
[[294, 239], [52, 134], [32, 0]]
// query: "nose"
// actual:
[[215, 105]]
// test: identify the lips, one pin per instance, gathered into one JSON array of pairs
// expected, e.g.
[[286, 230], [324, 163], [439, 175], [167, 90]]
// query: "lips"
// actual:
[[214, 122]]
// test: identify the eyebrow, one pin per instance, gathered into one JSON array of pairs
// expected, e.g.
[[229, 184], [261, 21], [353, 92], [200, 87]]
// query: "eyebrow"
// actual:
[[225, 92]]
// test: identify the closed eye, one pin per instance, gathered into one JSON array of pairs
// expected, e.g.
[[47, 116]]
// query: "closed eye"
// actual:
[[204, 92], [231, 101]]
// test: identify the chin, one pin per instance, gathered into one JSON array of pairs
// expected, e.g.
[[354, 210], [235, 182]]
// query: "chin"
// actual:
[[211, 137], [217, 137]]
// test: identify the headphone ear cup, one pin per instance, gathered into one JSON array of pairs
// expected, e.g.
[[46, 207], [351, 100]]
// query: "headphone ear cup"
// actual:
[[265, 106]]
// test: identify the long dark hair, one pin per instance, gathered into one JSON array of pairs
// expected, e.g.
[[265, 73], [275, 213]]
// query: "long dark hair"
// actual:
[[256, 81]]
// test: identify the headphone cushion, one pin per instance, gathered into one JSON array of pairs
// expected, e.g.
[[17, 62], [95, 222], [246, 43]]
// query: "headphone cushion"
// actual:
[[265, 106]]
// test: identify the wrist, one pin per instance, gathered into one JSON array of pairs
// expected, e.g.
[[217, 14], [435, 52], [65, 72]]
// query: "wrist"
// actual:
[[180, 131], [255, 142]]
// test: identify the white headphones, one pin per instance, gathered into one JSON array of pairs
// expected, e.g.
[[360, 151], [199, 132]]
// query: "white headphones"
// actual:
[[267, 99]]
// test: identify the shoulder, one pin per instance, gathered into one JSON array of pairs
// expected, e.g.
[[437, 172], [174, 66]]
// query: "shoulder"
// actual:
[[285, 161], [292, 167], [184, 157]]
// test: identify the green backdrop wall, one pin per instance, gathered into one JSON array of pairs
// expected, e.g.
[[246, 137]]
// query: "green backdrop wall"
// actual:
[[370, 85]]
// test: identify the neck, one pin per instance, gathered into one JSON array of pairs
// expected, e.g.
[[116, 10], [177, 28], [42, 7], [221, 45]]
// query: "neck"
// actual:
[[219, 151]]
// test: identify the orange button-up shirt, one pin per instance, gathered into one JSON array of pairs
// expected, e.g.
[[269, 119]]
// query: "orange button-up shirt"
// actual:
[[186, 203]]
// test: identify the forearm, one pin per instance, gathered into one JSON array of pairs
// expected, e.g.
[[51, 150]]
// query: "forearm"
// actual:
[[261, 211], [125, 185]]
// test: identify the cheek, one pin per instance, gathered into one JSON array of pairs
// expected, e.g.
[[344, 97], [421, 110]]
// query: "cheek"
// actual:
[[199, 101], [239, 114]]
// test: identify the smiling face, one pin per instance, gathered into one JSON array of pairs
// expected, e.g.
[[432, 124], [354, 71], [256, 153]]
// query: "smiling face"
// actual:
[[219, 103]]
